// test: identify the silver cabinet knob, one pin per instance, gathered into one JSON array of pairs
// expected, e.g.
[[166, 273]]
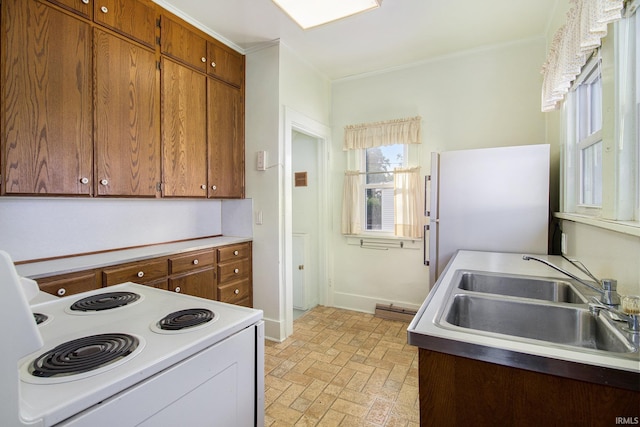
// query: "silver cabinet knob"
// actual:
[[214, 187], [213, 64], [61, 291], [235, 253], [203, 186], [104, 181], [237, 291], [177, 289], [203, 59], [104, 9], [140, 274], [236, 271], [195, 262], [84, 180]]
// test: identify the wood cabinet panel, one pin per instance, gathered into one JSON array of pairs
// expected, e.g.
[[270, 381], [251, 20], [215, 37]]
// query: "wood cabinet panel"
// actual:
[[225, 109], [182, 44], [200, 284], [127, 125], [83, 8], [70, 284], [142, 272], [234, 292], [225, 63], [234, 252], [191, 261], [46, 101], [133, 18], [233, 270], [184, 131]]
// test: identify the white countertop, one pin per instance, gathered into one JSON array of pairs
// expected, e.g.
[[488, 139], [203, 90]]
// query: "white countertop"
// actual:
[[72, 264], [425, 332]]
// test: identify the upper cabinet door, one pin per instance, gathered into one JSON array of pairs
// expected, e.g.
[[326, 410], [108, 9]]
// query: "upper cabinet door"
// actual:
[[225, 109], [225, 64], [133, 18], [46, 101], [83, 8], [184, 131], [182, 44], [127, 118]]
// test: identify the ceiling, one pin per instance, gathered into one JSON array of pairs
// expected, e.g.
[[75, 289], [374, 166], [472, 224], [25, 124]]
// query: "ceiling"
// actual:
[[398, 33]]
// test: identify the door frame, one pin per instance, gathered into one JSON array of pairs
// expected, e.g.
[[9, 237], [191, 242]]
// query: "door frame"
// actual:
[[295, 121]]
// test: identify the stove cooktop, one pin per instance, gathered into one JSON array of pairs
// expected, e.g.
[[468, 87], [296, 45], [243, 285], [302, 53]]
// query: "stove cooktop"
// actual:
[[153, 319]]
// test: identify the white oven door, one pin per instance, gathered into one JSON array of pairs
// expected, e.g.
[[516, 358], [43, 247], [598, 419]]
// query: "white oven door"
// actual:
[[215, 387]]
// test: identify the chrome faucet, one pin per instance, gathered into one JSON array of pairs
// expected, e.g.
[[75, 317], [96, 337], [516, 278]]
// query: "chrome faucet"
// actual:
[[633, 320], [608, 287]]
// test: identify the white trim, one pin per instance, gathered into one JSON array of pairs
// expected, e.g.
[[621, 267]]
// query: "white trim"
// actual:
[[366, 304], [631, 228]]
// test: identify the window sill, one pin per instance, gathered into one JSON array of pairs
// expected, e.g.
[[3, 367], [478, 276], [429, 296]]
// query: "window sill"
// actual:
[[631, 228], [370, 241]]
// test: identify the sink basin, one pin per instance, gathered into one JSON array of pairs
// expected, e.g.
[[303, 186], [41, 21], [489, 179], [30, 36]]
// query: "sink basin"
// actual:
[[521, 286], [559, 324]]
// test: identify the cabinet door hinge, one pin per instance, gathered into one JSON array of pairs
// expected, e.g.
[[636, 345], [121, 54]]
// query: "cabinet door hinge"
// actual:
[[159, 23], [158, 65], [158, 41], [158, 186]]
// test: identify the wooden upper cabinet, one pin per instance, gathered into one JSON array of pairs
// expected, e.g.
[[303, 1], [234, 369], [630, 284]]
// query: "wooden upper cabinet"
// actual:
[[127, 118], [182, 44], [46, 101], [225, 63], [184, 131], [133, 18], [225, 109], [83, 8]]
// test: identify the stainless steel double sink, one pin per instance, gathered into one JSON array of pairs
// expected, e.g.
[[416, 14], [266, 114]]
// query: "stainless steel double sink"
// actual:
[[533, 309]]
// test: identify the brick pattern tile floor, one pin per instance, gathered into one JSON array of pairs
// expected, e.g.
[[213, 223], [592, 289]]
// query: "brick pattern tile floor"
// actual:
[[342, 368]]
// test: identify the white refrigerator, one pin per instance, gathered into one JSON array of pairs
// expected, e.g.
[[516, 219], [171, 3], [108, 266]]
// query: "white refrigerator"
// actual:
[[493, 199]]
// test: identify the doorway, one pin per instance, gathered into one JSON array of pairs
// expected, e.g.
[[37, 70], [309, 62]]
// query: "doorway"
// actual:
[[307, 211]]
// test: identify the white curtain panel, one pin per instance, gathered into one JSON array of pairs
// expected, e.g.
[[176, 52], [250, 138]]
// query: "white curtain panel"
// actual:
[[408, 202], [352, 203], [572, 44], [367, 135]]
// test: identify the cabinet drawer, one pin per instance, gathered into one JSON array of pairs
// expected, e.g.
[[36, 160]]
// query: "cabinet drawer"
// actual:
[[69, 284], [235, 291], [233, 270], [234, 252], [141, 272], [191, 261], [182, 44], [133, 18]]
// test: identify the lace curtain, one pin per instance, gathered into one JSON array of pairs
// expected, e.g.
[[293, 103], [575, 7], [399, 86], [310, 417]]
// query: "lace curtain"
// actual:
[[408, 203], [367, 135], [352, 199], [586, 25]]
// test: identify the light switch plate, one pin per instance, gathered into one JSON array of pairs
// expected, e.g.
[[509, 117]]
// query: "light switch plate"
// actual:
[[261, 161]]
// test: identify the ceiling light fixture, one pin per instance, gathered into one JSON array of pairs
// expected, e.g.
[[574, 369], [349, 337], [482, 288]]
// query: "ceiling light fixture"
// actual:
[[311, 13]]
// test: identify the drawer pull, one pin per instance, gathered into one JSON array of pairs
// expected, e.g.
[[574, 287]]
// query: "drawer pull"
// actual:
[[195, 262], [236, 271], [235, 253], [237, 291], [178, 289], [61, 291], [85, 1], [203, 59], [84, 180], [141, 274], [104, 9], [213, 64]]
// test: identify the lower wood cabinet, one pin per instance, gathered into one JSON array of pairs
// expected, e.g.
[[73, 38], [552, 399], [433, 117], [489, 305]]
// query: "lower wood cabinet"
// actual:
[[223, 274]]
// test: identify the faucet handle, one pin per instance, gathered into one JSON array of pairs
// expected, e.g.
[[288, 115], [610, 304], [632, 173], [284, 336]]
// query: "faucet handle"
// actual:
[[609, 284]]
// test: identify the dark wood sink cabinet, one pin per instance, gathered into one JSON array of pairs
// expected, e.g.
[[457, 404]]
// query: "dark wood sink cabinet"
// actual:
[[218, 273], [458, 391], [126, 99]]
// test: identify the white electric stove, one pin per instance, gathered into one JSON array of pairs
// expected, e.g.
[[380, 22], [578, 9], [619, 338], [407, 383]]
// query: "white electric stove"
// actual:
[[130, 355]]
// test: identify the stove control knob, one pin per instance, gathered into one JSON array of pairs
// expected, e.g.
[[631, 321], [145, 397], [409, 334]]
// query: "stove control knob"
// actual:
[[141, 274], [61, 292], [235, 253], [237, 291], [178, 289], [236, 271], [195, 262]]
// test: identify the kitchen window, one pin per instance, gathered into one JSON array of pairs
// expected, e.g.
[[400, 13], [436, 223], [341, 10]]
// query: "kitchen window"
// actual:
[[601, 152]]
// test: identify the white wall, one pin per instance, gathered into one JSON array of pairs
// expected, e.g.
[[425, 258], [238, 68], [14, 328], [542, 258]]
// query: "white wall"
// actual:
[[276, 79], [476, 99], [35, 228]]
